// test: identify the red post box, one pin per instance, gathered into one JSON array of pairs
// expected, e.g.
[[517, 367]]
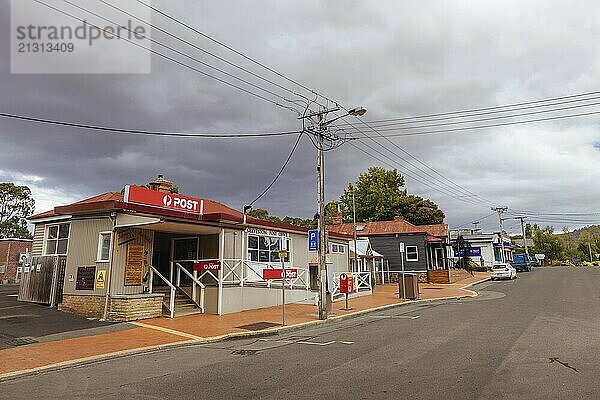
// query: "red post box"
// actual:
[[346, 283]]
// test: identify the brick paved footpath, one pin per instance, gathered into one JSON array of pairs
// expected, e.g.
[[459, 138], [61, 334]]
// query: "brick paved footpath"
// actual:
[[159, 332]]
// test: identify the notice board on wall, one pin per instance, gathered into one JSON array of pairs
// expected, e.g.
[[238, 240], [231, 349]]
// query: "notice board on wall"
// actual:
[[86, 276], [134, 264]]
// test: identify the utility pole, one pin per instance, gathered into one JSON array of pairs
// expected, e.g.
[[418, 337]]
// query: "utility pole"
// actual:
[[590, 250], [322, 276], [522, 219], [500, 211], [354, 230], [320, 133]]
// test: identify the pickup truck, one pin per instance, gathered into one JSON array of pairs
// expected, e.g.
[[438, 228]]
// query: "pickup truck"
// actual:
[[523, 262]]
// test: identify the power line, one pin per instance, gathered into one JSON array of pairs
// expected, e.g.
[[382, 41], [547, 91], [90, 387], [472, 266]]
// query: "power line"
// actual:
[[176, 61], [280, 171], [491, 108], [453, 186], [239, 53], [262, 65], [182, 53], [465, 199], [482, 126], [216, 56], [491, 118], [146, 132], [476, 219]]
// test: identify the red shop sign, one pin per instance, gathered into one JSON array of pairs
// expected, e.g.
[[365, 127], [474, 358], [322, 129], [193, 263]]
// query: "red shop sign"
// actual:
[[207, 266], [270, 274], [169, 201]]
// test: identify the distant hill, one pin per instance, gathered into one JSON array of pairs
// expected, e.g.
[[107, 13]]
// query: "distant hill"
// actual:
[[592, 229]]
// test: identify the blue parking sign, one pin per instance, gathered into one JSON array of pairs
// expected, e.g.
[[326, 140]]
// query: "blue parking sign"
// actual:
[[313, 240]]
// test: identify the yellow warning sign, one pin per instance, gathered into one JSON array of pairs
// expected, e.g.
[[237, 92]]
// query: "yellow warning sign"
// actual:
[[282, 254], [100, 278]]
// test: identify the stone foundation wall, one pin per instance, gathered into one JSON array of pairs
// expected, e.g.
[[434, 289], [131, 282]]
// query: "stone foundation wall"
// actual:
[[394, 277], [120, 308], [133, 307], [458, 275], [88, 306]]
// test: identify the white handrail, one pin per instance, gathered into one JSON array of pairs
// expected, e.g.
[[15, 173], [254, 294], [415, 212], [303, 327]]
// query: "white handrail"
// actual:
[[172, 298], [195, 282]]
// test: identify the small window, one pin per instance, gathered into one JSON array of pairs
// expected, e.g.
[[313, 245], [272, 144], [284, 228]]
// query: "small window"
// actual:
[[57, 239], [265, 249], [412, 253], [337, 248], [104, 246]]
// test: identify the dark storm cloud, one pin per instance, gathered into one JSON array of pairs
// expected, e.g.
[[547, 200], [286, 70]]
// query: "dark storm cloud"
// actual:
[[394, 58]]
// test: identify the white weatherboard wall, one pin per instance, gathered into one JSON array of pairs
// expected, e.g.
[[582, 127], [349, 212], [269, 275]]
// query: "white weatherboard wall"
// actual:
[[248, 298]]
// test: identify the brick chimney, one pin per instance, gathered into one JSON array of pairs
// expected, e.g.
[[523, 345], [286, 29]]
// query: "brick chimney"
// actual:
[[337, 218], [161, 184]]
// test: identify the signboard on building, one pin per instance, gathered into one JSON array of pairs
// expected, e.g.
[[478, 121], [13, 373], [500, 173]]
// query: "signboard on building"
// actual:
[[271, 274], [474, 251], [313, 240], [207, 265], [100, 278], [266, 232], [167, 201], [85, 278], [134, 264]]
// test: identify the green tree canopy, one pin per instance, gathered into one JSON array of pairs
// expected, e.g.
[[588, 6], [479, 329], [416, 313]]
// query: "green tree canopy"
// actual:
[[380, 195], [16, 205], [546, 242], [261, 213]]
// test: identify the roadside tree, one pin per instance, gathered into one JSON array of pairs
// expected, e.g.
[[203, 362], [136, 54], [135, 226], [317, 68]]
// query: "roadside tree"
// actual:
[[16, 205]]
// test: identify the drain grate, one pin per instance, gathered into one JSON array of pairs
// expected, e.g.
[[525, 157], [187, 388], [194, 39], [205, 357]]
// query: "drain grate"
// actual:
[[244, 352], [257, 326]]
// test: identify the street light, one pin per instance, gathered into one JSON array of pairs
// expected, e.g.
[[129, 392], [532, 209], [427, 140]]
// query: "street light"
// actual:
[[322, 126]]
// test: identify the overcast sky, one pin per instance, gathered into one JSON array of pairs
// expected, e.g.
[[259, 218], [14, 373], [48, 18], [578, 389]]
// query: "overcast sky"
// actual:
[[396, 59]]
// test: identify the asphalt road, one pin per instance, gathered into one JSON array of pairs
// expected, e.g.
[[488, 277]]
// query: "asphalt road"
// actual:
[[25, 323], [537, 337]]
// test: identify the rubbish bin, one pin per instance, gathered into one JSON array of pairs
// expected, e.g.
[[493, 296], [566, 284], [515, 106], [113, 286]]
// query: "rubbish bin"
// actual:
[[411, 284]]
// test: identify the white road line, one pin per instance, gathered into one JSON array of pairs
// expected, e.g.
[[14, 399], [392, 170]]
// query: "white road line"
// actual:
[[396, 316], [317, 344], [12, 295], [344, 342]]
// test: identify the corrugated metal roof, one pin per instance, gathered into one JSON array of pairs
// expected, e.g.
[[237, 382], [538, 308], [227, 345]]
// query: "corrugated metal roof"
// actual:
[[397, 226]]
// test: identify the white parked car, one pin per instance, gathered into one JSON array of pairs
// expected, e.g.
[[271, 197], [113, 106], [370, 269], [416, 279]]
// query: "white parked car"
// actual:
[[503, 271]]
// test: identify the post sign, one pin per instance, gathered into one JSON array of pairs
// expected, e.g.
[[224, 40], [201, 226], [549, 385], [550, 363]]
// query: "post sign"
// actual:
[[168, 201], [401, 247], [272, 274], [346, 283], [313, 240], [207, 266]]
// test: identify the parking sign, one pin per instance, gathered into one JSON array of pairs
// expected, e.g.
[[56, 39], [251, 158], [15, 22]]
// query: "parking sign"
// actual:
[[313, 240]]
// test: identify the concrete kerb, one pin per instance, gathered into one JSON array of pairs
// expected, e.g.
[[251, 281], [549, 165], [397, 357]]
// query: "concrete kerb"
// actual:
[[230, 336]]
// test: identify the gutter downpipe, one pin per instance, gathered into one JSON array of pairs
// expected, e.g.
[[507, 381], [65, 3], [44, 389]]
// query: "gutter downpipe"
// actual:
[[113, 217]]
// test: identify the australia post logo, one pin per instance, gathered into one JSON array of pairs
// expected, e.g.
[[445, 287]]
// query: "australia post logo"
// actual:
[[172, 201], [153, 198]]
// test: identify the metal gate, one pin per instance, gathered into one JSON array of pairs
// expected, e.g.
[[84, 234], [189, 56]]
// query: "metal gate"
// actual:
[[42, 280]]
